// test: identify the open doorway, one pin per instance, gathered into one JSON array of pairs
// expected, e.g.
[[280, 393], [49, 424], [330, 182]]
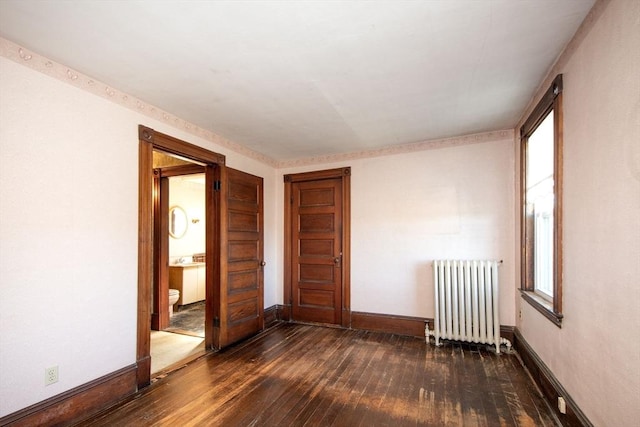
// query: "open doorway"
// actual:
[[234, 263], [150, 242], [179, 262], [187, 255]]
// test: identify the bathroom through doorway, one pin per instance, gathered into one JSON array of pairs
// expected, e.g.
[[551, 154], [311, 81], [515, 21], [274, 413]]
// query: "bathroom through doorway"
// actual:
[[179, 262], [234, 248]]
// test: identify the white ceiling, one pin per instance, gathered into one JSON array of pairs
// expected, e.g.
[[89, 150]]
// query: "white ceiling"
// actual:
[[297, 79]]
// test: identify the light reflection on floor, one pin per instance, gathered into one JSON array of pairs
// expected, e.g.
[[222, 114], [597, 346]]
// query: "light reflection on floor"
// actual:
[[168, 349]]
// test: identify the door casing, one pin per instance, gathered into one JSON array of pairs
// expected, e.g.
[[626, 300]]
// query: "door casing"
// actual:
[[150, 140], [344, 174]]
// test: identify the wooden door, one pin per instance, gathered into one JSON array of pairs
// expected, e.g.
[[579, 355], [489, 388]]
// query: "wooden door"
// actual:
[[241, 310], [317, 250]]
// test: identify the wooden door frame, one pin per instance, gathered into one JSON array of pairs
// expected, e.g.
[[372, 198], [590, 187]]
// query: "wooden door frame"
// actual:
[[150, 140], [344, 174]]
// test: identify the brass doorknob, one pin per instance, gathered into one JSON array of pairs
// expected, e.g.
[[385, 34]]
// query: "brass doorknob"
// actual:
[[263, 263]]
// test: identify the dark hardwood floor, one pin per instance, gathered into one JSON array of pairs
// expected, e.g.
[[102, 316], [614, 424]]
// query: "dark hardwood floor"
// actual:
[[300, 375]]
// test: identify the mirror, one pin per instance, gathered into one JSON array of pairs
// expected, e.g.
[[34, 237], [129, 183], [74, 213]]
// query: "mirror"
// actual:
[[177, 222]]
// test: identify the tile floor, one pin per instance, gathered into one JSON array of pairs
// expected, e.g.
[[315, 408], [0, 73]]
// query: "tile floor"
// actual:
[[188, 320]]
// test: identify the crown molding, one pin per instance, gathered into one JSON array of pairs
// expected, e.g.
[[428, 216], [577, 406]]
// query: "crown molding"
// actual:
[[21, 55], [476, 138]]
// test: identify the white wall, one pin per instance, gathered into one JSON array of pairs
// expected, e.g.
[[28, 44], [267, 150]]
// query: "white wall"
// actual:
[[68, 232], [596, 354], [68, 228], [190, 196], [409, 209]]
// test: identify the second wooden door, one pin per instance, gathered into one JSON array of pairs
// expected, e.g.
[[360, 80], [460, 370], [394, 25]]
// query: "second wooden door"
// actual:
[[317, 261]]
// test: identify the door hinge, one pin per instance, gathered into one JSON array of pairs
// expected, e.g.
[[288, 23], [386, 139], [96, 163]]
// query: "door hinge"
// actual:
[[216, 322], [217, 185]]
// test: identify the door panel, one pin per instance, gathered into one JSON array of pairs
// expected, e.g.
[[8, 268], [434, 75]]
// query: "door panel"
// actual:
[[241, 291], [242, 280], [316, 251], [316, 297], [316, 247], [244, 250]]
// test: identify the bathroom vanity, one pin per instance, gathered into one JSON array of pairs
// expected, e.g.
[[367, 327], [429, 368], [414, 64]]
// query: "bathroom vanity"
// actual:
[[189, 279]]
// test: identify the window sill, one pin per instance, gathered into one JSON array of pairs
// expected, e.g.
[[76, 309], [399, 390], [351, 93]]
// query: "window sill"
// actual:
[[543, 306]]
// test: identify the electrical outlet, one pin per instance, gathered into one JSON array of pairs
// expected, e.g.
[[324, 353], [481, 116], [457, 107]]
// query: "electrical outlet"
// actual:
[[562, 405], [51, 375]]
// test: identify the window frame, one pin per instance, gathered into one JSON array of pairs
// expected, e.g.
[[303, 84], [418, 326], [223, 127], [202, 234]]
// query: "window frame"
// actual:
[[552, 310]]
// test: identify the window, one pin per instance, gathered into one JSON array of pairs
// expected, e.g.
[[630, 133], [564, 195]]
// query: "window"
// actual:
[[541, 205]]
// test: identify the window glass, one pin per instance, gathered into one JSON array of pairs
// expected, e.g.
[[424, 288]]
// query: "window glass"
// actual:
[[540, 202]]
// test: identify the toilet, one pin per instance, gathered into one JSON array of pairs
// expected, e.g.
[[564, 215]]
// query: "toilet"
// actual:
[[174, 294]]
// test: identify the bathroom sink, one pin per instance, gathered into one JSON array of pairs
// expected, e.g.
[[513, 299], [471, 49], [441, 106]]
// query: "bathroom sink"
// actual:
[[187, 264]]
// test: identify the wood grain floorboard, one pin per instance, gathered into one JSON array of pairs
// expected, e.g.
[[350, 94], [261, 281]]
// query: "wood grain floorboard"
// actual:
[[360, 396], [356, 398], [349, 371], [533, 409], [377, 397], [305, 375]]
